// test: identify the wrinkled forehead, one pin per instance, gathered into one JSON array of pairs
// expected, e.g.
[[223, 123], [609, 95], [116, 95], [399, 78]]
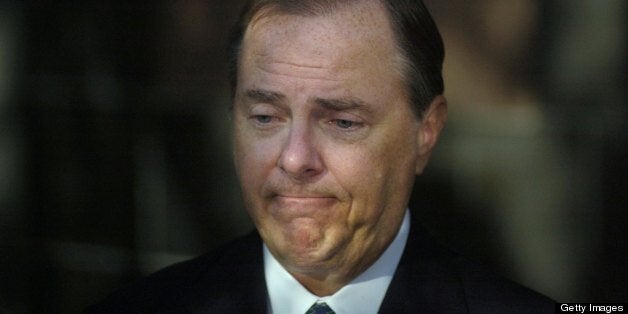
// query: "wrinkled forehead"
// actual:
[[354, 15], [355, 29]]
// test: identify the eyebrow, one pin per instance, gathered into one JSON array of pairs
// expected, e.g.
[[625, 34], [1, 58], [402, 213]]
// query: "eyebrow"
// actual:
[[260, 95], [343, 104], [335, 104]]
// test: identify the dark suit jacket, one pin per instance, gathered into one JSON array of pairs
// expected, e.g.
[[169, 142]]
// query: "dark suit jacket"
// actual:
[[428, 279]]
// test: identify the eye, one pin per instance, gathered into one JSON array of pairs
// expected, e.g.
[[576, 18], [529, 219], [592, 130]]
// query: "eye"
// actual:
[[263, 119], [345, 124], [347, 128]]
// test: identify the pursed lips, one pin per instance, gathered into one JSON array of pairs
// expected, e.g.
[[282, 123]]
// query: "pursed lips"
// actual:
[[303, 204], [303, 198]]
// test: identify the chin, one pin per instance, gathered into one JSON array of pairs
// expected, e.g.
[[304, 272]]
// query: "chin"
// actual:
[[304, 246]]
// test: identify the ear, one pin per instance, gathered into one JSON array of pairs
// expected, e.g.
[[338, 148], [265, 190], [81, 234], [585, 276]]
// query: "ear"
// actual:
[[432, 124]]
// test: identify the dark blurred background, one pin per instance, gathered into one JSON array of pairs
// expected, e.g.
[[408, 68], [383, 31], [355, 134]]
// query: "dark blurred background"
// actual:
[[115, 155]]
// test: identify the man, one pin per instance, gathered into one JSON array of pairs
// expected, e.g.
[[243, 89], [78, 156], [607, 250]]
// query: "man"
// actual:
[[337, 107]]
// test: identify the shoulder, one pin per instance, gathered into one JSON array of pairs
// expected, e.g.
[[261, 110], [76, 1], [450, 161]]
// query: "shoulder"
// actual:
[[473, 287], [488, 292], [185, 286]]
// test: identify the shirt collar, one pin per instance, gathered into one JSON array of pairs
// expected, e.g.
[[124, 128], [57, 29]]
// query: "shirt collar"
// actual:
[[364, 294]]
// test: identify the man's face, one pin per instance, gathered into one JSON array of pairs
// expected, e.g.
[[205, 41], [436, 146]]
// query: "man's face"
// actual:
[[326, 144]]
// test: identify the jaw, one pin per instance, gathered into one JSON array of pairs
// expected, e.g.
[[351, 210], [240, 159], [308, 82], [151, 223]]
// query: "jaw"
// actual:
[[325, 267]]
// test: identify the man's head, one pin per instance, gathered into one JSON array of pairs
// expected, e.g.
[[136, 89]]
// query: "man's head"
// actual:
[[328, 134], [415, 34]]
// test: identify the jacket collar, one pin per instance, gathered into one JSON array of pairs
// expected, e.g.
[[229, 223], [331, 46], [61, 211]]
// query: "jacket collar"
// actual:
[[424, 281]]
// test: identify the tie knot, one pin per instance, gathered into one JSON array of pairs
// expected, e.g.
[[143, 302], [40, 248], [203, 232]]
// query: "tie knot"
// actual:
[[320, 308]]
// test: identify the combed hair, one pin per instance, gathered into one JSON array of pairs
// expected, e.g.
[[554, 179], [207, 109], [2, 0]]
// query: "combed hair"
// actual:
[[417, 37]]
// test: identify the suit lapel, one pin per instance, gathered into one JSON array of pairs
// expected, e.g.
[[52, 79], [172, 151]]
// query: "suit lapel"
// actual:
[[424, 281], [237, 283]]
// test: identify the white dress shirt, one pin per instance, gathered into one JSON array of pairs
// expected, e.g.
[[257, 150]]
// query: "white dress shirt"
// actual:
[[364, 294]]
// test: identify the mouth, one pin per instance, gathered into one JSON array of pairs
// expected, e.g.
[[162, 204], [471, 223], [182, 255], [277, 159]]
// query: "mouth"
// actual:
[[303, 198], [303, 205]]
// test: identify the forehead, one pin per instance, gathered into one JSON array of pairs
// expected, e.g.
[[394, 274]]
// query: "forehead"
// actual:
[[351, 36]]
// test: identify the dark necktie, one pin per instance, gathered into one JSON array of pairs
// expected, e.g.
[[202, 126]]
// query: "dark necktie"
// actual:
[[320, 308]]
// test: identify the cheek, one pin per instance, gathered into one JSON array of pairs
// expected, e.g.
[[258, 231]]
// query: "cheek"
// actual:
[[254, 158], [375, 172], [359, 171], [373, 161]]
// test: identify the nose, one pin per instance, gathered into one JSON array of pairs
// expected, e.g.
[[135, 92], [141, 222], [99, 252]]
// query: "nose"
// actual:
[[300, 158]]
